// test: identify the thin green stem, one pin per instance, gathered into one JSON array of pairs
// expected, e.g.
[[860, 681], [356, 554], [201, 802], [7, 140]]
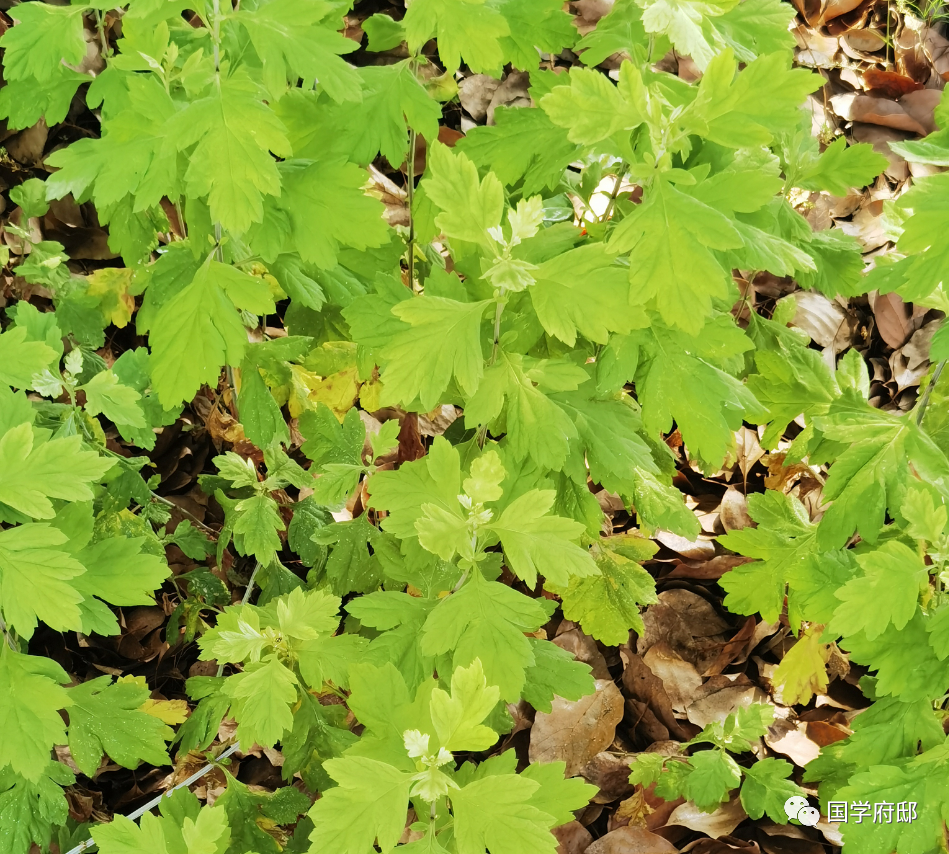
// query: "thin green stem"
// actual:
[[929, 390], [620, 177], [103, 39], [244, 600], [498, 311], [410, 199], [7, 636], [159, 498]]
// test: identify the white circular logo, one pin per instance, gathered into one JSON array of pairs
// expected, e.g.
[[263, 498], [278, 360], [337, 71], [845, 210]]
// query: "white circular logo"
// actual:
[[797, 807]]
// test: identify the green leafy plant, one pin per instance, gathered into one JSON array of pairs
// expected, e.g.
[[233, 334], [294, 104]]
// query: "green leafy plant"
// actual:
[[402, 592]]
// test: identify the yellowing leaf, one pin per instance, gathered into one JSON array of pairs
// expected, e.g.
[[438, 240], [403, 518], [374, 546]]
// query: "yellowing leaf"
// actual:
[[111, 285], [803, 672], [167, 711], [338, 391]]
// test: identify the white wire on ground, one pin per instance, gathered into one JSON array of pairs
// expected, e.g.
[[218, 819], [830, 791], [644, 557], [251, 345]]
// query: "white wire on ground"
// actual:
[[154, 802]]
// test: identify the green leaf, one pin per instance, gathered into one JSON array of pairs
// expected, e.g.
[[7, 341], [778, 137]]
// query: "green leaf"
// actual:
[[787, 551], [399, 618], [468, 207], [261, 416], [842, 167], [728, 108], [135, 156], [443, 341], [199, 329], [233, 132], [45, 36], [839, 264], [469, 29], [487, 621], [870, 475], [680, 382], [555, 672], [30, 810], [670, 235], [434, 479], [375, 792], [336, 451], [495, 813], [766, 788], [261, 698], [921, 781], [603, 306], [592, 108], [608, 605], [754, 28], [714, 775], [119, 403], [350, 567], [887, 592], [108, 576], [30, 723], [107, 718], [619, 31], [384, 32], [458, 717], [326, 208], [906, 665], [522, 144], [258, 522], [308, 518], [249, 813], [535, 25], [293, 39], [36, 579], [393, 100], [535, 425], [205, 833], [32, 473], [534, 540], [21, 360]]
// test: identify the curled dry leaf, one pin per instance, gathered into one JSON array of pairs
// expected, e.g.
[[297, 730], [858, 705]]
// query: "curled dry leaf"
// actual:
[[718, 705], [875, 111], [734, 511], [475, 93], [572, 838], [679, 677], [631, 840], [610, 774], [646, 687], [720, 822], [894, 318], [791, 740], [700, 549], [575, 732], [584, 649], [825, 321], [817, 13]]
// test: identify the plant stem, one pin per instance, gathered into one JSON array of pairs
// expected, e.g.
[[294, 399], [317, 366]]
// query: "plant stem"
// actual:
[[929, 390], [194, 519], [6, 634], [499, 309], [410, 198], [161, 499], [103, 40], [244, 600], [497, 332], [620, 177]]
